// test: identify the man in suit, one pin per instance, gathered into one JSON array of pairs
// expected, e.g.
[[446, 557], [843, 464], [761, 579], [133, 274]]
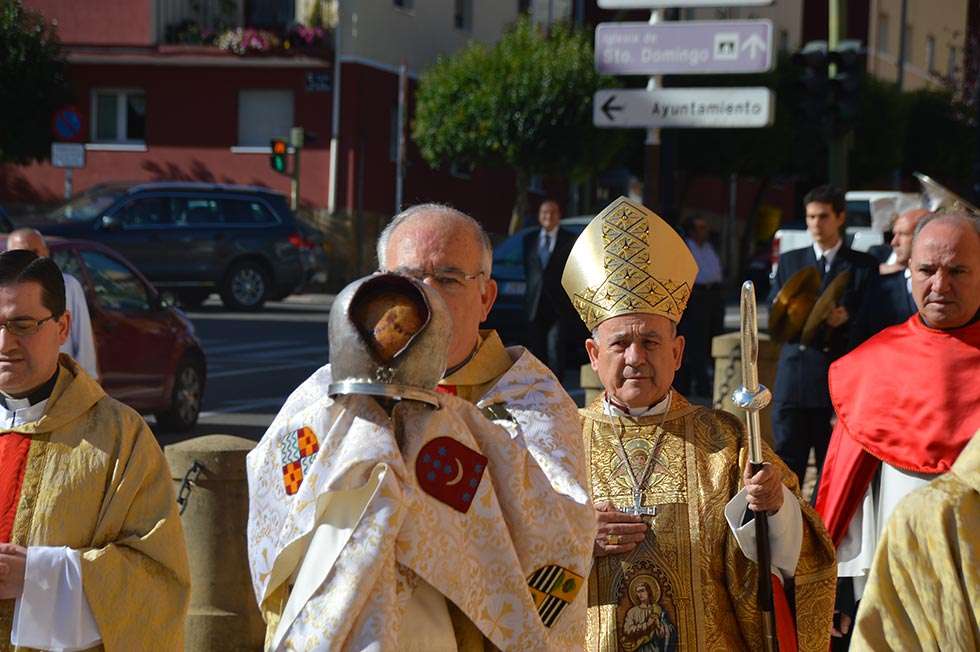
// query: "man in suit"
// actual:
[[801, 402], [550, 317], [889, 299]]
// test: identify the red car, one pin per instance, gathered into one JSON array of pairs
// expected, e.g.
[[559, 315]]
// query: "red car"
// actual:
[[148, 355]]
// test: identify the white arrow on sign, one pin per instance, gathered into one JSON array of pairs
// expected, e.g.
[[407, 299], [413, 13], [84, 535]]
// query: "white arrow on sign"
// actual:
[[754, 44], [683, 107]]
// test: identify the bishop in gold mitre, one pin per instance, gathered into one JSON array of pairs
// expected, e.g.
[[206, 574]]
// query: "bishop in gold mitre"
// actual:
[[675, 552]]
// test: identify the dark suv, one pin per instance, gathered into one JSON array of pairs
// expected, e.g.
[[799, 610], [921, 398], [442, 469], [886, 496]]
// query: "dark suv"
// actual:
[[196, 238]]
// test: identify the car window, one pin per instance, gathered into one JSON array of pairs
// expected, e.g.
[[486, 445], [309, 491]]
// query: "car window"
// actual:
[[116, 287], [244, 211], [511, 250], [68, 262], [196, 211], [145, 212], [86, 206]]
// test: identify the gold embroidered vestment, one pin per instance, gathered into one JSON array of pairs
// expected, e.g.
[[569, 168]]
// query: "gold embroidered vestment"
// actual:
[[688, 586]]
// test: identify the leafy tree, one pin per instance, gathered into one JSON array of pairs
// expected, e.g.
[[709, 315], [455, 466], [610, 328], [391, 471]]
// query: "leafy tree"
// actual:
[[32, 83], [525, 103]]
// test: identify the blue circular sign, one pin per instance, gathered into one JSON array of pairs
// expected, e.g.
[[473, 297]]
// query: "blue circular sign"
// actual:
[[67, 123]]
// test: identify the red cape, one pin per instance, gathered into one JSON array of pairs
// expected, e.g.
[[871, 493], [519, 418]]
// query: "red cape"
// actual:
[[909, 396]]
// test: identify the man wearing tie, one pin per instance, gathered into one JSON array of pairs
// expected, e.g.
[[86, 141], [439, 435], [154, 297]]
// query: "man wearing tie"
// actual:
[[801, 402], [550, 316]]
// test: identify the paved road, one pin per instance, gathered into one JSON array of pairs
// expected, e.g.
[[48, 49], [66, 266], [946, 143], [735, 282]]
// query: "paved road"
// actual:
[[254, 361]]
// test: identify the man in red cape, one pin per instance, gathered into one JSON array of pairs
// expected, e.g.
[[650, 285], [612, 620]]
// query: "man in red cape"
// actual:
[[907, 400]]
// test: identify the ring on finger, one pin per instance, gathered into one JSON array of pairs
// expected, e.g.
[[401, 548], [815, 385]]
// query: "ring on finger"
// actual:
[[613, 539]]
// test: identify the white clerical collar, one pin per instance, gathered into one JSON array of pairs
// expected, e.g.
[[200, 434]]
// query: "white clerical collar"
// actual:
[[18, 411], [659, 408], [828, 254]]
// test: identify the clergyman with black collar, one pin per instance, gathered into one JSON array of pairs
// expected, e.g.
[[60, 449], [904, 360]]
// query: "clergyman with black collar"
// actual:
[[86, 500]]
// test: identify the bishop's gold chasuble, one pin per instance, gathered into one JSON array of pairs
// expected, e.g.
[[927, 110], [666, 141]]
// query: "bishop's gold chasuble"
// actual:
[[688, 586]]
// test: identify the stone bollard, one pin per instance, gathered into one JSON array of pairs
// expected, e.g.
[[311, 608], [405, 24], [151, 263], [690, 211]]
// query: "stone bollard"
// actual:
[[223, 614], [727, 351]]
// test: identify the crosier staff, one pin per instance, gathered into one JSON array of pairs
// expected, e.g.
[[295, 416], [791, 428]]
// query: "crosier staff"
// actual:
[[752, 397]]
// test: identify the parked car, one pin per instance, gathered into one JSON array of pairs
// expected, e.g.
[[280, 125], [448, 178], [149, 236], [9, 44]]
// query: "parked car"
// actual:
[[507, 315], [196, 238], [148, 355]]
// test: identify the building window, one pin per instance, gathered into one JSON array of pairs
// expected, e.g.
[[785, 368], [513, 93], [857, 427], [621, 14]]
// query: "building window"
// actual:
[[264, 115], [120, 116], [404, 4], [931, 54], [463, 15], [882, 37], [951, 64]]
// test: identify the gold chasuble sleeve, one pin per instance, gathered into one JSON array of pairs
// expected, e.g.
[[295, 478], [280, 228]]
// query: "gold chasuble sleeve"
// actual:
[[97, 482], [688, 586], [923, 591]]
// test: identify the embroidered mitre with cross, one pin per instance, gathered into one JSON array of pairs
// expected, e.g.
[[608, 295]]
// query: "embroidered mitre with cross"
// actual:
[[628, 260]]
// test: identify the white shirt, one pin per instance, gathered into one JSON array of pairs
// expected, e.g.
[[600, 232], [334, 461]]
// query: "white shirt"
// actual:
[[553, 235], [828, 254], [709, 265], [80, 344]]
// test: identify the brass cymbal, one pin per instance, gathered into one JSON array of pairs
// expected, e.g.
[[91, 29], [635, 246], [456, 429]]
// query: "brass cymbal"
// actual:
[[793, 304], [827, 301]]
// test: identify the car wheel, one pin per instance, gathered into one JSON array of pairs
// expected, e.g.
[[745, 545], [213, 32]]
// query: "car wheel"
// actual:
[[185, 400], [245, 287]]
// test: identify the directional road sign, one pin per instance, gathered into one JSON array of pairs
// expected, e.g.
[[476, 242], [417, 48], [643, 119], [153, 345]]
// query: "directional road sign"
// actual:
[[657, 4], [683, 107], [684, 48]]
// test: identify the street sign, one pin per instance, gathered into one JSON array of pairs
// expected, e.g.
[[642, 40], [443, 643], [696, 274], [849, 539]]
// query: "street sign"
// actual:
[[68, 155], [66, 124], [683, 107], [660, 4], [684, 48]]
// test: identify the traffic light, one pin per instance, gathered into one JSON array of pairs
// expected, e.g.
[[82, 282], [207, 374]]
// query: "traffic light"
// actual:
[[845, 86], [814, 82], [278, 158], [832, 102]]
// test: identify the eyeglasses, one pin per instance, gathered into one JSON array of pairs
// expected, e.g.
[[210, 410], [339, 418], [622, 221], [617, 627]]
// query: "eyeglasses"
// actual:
[[25, 326], [449, 279]]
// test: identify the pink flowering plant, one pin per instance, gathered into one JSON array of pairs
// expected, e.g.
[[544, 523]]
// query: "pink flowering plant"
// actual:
[[305, 37], [246, 40]]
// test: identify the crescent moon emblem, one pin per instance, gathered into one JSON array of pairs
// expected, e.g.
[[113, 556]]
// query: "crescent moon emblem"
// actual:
[[459, 473]]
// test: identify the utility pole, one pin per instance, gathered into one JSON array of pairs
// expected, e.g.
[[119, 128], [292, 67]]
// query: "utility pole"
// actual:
[[296, 138], [651, 148], [838, 146], [335, 114]]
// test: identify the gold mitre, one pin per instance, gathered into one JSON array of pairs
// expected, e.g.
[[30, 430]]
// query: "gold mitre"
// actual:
[[628, 260]]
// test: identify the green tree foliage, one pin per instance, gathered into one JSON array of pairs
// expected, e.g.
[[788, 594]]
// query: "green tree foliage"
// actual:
[[524, 103], [32, 83]]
